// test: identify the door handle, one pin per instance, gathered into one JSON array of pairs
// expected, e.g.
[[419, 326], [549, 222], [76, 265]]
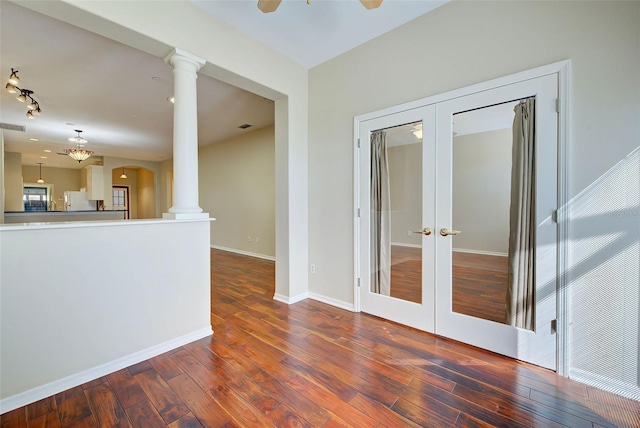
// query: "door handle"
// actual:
[[425, 231], [445, 232]]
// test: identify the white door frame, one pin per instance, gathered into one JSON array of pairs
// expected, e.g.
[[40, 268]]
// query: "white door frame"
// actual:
[[563, 70]]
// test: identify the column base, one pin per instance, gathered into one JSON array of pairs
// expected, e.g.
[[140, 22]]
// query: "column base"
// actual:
[[184, 216]]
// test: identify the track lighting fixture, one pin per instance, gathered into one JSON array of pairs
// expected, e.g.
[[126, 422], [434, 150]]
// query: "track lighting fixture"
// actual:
[[12, 88], [78, 153]]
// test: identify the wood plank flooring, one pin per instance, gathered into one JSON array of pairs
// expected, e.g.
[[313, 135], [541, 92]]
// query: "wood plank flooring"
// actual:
[[479, 281], [313, 365]]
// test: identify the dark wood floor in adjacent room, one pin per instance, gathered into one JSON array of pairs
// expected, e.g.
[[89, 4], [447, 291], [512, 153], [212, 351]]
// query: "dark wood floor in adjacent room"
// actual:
[[310, 364]]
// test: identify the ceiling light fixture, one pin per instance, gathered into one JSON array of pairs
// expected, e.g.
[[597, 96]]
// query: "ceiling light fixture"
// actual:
[[417, 131], [12, 88], [268, 6], [78, 153], [78, 139], [123, 175], [40, 180]]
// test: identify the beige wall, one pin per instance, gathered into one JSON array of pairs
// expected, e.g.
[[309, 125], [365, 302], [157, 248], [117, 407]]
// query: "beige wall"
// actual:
[[166, 186], [13, 182], [405, 182], [481, 191], [60, 180], [146, 193], [237, 187]]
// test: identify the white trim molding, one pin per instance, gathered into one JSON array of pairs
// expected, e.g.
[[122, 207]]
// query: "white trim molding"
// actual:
[[402, 244], [57, 386], [244, 253], [290, 300], [484, 253], [333, 302]]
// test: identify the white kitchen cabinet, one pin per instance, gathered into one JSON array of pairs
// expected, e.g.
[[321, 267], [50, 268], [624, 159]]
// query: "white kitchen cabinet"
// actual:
[[95, 182]]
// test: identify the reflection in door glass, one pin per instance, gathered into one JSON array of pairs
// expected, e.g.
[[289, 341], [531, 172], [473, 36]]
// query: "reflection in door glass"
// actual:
[[482, 151], [396, 205]]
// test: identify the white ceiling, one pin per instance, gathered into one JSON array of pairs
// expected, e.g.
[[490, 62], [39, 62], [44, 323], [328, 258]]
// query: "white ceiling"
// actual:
[[117, 95]]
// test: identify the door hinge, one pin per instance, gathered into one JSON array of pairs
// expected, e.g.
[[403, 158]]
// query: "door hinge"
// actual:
[[358, 282], [358, 142], [554, 216], [558, 105], [358, 212], [554, 326]]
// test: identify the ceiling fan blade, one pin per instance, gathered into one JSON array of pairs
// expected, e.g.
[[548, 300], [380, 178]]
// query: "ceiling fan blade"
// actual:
[[268, 6], [371, 4]]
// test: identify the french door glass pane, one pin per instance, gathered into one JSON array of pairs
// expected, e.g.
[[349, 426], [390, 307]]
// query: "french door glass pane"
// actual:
[[398, 258], [482, 144]]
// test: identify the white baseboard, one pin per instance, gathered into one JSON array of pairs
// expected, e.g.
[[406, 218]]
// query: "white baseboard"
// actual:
[[244, 253], [402, 244], [290, 300], [486, 253], [57, 386], [617, 387], [333, 302]]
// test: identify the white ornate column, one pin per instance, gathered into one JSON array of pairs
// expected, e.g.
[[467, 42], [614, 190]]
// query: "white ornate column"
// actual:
[[185, 135]]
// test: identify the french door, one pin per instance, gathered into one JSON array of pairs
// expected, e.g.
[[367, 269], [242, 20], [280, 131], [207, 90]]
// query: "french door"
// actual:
[[435, 219], [406, 221]]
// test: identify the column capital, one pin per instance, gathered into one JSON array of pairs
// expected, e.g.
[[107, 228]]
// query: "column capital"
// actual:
[[178, 54]]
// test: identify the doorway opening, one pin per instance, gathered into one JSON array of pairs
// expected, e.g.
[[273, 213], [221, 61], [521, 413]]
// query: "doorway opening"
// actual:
[[134, 191]]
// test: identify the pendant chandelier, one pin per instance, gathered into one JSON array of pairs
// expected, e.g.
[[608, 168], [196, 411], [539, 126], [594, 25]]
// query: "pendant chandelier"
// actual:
[[40, 180], [79, 153], [123, 175]]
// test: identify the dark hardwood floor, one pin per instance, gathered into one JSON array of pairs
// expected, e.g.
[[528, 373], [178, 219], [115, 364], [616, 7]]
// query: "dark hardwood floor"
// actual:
[[311, 364], [480, 286], [479, 281]]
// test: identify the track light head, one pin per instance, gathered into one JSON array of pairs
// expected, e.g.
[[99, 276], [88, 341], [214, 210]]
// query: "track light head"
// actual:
[[30, 114], [11, 88], [14, 79], [22, 97]]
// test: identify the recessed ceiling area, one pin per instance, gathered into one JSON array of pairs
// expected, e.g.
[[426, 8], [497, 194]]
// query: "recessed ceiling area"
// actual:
[[115, 94], [313, 33]]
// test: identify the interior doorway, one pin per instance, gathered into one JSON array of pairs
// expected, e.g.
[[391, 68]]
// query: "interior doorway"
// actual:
[[141, 194], [120, 198], [487, 289]]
